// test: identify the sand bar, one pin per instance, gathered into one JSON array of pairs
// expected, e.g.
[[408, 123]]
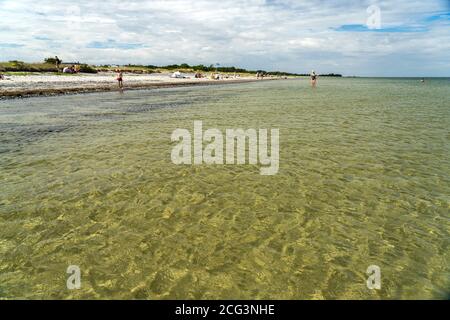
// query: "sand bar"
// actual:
[[45, 84]]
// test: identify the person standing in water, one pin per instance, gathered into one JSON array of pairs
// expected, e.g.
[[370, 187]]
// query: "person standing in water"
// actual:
[[120, 78], [313, 79]]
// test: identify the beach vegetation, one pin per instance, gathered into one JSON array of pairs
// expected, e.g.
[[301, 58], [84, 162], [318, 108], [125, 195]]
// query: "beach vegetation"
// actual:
[[20, 66], [84, 68], [49, 66], [50, 60]]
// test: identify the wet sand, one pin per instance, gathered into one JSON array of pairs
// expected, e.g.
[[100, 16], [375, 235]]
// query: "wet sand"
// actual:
[[50, 84]]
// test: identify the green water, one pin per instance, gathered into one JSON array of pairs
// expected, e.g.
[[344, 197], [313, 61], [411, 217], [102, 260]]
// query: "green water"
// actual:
[[364, 180]]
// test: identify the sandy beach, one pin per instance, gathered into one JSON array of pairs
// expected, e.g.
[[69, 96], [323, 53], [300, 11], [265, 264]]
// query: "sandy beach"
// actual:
[[50, 84]]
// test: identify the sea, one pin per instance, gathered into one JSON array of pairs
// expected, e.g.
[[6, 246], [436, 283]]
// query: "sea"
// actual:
[[93, 207]]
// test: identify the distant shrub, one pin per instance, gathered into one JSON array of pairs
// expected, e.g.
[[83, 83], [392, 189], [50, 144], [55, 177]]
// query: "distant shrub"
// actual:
[[50, 60], [84, 68], [17, 63], [171, 67], [201, 67]]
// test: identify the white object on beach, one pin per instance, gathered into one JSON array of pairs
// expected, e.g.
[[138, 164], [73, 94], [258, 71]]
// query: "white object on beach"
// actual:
[[177, 74]]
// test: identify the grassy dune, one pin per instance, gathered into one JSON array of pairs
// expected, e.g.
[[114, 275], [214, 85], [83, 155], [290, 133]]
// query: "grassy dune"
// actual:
[[19, 66], [24, 68]]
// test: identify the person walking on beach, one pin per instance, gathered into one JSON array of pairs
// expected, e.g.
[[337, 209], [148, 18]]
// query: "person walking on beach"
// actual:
[[313, 79], [120, 78]]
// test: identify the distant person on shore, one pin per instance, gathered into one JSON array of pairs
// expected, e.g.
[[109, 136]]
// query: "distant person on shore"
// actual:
[[313, 79], [69, 69], [2, 77], [120, 78], [57, 63]]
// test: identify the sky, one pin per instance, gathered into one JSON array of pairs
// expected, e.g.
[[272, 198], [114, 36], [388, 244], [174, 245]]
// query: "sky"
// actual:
[[359, 37]]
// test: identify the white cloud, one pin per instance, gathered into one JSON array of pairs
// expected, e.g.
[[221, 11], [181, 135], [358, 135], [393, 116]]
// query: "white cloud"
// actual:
[[293, 35]]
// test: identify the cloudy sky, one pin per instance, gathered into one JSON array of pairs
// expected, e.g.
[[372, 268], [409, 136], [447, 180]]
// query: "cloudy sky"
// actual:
[[410, 38]]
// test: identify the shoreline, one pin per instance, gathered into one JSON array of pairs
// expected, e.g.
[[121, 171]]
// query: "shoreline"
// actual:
[[76, 88]]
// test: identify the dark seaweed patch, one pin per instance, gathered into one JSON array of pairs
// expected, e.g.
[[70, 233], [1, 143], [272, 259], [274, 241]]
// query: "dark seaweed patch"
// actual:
[[12, 136], [146, 107]]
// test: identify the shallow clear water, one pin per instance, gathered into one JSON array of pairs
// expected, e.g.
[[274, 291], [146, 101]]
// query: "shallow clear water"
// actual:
[[364, 180]]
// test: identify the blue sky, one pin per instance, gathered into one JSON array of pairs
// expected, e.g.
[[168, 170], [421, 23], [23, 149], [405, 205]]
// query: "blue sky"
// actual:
[[412, 38]]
